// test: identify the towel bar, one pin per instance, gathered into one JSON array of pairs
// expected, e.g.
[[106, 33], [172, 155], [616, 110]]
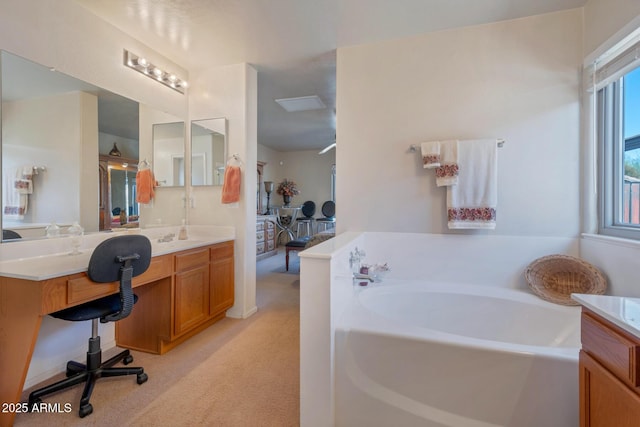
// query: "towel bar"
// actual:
[[414, 148]]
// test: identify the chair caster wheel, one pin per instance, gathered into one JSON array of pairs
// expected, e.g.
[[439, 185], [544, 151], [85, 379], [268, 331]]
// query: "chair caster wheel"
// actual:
[[142, 378], [127, 359], [85, 410]]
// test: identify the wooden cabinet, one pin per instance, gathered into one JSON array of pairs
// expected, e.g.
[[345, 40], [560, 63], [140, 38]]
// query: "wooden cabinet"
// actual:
[[609, 374], [265, 236], [191, 290], [196, 293], [221, 283]]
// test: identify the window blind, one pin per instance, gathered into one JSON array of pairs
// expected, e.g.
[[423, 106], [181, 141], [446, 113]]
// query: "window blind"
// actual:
[[614, 63]]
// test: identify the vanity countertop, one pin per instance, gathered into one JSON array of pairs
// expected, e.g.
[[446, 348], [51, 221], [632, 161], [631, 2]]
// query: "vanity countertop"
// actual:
[[624, 312], [60, 263]]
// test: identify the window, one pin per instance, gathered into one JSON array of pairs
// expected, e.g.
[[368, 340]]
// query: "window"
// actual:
[[618, 135]]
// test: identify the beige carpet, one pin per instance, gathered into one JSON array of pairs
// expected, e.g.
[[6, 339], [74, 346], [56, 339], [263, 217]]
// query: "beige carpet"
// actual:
[[236, 373]]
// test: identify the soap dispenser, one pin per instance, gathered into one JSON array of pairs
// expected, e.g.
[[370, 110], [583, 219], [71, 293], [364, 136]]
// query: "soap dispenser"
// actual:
[[75, 234], [52, 230], [182, 234]]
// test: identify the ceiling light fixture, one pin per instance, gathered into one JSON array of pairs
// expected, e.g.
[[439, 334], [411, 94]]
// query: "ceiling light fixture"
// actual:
[[143, 66], [302, 103], [327, 148]]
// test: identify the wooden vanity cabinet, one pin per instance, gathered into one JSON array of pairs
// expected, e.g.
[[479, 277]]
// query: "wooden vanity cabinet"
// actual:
[[221, 290], [169, 311], [191, 290], [609, 374]]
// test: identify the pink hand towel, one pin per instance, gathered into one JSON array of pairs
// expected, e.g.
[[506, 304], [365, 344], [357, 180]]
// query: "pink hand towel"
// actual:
[[146, 184], [231, 186]]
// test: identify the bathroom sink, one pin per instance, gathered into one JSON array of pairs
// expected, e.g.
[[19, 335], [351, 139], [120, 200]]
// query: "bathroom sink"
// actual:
[[175, 245]]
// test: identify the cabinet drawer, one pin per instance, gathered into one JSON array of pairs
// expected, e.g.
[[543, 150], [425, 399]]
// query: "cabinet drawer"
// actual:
[[191, 259], [616, 352], [260, 226], [260, 236], [259, 248], [271, 245], [82, 289], [159, 267], [222, 250], [271, 234], [270, 225]]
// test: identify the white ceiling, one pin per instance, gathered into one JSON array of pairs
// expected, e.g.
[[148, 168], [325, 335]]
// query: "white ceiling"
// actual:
[[292, 43]]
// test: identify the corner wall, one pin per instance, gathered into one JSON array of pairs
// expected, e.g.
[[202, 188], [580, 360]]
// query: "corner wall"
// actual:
[[517, 80], [603, 19], [231, 92]]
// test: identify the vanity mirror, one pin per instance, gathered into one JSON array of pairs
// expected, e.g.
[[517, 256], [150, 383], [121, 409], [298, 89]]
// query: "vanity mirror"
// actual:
[[62, 126], [208, 151], [168, 154]]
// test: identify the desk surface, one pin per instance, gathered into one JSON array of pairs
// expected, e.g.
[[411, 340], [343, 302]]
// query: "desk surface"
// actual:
[[62, 264]]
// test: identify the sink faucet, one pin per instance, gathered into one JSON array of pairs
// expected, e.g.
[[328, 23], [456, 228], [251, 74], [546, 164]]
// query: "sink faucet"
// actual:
[[355, 263], [166, 238], [355, 258]]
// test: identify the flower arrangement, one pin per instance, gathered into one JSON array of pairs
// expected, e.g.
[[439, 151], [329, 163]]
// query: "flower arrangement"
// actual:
[[287, 188]]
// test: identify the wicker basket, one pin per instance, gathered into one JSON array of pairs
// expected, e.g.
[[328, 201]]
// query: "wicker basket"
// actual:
[[555, 277]]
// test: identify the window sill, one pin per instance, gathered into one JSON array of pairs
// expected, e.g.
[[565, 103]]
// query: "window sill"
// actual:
[[618, 241]]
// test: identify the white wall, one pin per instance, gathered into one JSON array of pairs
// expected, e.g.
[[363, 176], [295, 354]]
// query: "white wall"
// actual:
[[311, 171], [603, 19], [231, 92], [53, 132], [516, 80]]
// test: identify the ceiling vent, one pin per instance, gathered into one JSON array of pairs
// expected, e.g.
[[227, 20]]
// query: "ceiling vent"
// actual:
[[302, 103]]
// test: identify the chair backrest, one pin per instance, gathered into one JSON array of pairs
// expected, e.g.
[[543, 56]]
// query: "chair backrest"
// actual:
[[308, 209], [120, 258], [10, 234], [329, 209]]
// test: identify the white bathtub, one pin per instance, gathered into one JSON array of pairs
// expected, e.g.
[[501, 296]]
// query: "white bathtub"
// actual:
[[416, 354]]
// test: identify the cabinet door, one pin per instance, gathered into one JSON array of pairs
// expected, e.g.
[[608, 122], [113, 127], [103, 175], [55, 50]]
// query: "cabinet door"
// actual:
[[604, 400], [191, 298], [221, 279]]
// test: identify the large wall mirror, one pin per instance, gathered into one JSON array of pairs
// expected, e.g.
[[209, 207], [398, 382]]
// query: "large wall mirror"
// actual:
[[168, 154], [62, 130], [208, 151]]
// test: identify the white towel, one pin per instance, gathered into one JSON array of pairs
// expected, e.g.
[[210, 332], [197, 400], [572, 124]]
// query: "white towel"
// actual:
[[447, 172], [24, 180], [14, 202], [430, 154], [472, 202]]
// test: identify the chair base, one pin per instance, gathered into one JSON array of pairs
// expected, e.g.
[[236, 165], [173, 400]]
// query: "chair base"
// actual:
[[325, 224], [89, 373], [306, 224]]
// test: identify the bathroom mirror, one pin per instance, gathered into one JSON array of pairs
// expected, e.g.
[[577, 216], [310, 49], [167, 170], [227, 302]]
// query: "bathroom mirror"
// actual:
[[118, 206], [61, 126], [208, 151], [168, 154]]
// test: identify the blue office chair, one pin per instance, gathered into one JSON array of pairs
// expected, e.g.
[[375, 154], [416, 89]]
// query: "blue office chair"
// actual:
[[116, 259], [10, 235]]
